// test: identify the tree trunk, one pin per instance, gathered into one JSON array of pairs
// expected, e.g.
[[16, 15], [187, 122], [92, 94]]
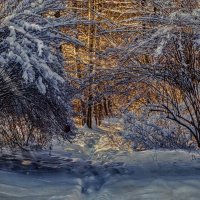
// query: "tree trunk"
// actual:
[[91, 55]]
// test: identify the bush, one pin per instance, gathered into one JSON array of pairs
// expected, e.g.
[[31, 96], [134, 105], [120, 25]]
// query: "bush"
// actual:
[[149, 131]]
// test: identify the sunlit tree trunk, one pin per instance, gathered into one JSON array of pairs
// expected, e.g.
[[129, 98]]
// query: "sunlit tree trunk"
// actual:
[[91, 56], [83, 112]]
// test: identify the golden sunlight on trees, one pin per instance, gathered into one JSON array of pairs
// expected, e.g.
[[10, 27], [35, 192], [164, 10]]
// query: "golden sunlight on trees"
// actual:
[[105, 58], [102, 29]]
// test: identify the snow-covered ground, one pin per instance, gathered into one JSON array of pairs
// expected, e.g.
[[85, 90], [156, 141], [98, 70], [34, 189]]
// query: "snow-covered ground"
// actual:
[[101, 167], [135, 176]]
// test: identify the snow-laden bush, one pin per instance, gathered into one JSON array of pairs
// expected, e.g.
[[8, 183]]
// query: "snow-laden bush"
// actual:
[[149, 131], [35, 99]]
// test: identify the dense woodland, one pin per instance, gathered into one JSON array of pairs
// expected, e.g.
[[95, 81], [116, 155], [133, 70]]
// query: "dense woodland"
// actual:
[[71, 63]]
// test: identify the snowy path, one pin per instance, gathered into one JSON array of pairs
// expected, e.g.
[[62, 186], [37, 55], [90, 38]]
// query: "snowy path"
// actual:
[[55, 187], [91, 170], [148, 175]]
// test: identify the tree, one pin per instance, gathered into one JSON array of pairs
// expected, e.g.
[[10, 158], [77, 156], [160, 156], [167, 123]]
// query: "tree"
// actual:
[[38, 106], [178, 77], [86, 61], [170, 45]]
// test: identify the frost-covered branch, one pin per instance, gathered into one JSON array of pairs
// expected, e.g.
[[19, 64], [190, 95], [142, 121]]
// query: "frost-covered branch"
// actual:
[[30, 40]]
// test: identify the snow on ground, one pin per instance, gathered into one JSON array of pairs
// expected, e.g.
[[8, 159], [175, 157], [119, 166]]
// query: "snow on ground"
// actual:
[[145, 175], [91, 169]]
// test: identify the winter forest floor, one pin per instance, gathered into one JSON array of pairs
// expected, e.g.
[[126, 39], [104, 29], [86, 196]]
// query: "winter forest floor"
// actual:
[[100, 166]]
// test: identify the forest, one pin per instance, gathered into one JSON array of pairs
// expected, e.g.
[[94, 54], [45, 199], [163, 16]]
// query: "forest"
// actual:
[[99, 99]]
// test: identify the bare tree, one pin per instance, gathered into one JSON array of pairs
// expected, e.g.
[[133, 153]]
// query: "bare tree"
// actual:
[[161, 62], [177, 84]]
